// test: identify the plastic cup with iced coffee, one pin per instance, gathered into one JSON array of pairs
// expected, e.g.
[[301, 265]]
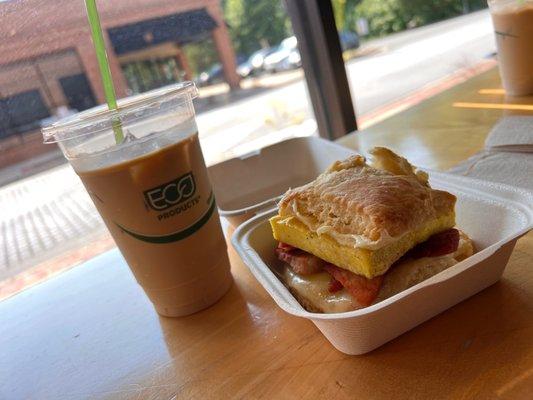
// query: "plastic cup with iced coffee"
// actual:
[[513, 27], [152, 190]]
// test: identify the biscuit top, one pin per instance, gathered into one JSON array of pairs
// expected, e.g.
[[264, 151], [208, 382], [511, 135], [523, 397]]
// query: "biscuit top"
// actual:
[[367, 206]]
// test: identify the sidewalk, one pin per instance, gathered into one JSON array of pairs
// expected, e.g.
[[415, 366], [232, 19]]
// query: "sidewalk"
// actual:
[[43, 216]]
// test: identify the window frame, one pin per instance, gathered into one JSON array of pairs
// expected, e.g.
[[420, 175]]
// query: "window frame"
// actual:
[[313, 22]]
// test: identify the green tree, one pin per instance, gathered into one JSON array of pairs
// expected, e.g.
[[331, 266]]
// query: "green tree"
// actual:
[[253, 23], [201, 55], [383, 16], [344, 10], [387, 16]]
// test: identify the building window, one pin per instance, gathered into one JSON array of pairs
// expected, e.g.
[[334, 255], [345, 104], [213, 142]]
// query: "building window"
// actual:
[[77, 91], [21, 113]]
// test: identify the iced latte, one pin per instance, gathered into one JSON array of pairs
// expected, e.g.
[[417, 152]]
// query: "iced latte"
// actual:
[[154, 195]]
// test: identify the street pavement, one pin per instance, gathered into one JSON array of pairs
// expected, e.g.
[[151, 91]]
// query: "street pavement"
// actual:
[[49, 214]]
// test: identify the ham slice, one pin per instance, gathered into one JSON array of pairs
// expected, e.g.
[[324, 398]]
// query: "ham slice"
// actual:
[[300, 261], [440, 244], [362, 289], [334, 285]]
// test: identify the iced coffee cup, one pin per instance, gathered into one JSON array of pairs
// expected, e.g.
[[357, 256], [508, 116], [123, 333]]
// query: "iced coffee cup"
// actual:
[[513, 26], [153, 192]]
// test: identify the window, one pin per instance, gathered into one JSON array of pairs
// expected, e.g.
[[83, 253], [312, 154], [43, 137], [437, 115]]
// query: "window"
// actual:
[[243, 56], [398, 53], [19, 113]]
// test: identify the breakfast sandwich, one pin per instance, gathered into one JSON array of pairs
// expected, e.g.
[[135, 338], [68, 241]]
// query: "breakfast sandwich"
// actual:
[[362, 232]]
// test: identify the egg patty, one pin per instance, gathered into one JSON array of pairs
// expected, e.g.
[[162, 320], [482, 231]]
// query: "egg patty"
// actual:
[[366, 262]]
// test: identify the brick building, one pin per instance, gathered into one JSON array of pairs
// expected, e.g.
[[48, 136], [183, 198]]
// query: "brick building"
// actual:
[[48, 65]]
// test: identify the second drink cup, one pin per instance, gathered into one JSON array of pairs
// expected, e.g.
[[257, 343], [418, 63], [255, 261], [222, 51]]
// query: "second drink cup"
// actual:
[[513, 27], [153, 193]]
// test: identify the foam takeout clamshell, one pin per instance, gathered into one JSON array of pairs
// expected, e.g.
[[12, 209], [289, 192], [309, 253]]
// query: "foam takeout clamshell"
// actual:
[[246, 185], [493, 215]]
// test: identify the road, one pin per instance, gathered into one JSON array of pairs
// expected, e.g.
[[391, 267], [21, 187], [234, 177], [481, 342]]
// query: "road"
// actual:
[[49, 214]]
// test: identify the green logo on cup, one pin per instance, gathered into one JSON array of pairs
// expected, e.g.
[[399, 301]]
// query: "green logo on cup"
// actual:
[[171, 193], [179, 235]]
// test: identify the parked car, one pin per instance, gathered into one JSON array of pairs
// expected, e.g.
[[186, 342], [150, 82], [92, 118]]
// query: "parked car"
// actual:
[[214, 75], [245, 69], [349, 40], [284, 57], [254, 64]]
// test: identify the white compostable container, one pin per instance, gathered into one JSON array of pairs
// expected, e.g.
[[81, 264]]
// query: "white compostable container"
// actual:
[[254, 182], [493, 215]]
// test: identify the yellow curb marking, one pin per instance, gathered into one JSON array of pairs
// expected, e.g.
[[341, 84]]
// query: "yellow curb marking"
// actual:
[[526, 107], [491, 91]]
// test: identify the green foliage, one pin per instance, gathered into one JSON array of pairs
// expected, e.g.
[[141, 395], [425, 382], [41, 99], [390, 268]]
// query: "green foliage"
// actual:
[[383, 16], [254, 23], [339, 9], [344, 11], [387, 16], [201, 55]]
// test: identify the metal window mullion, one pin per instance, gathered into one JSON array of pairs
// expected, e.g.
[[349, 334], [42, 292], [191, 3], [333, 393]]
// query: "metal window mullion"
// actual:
[[318, 41]]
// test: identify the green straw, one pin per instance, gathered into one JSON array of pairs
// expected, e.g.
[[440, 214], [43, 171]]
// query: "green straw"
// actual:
[[105, 72]]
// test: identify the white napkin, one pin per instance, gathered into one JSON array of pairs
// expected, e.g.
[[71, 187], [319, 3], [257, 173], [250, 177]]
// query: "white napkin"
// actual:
[[515, 169], [508, 155], [511, 134]]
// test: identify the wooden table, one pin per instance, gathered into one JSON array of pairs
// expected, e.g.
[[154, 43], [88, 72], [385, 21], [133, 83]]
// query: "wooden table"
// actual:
[[91, 333], [448, 128]]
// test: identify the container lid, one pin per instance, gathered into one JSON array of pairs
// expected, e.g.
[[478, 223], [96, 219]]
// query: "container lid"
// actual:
[[508, 5], [129, 109], [255, 180]]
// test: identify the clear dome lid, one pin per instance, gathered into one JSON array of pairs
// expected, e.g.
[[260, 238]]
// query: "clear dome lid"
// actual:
[[130, 109]]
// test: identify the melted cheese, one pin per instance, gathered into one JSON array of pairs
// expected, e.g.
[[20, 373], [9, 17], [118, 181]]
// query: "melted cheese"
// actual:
[[313, 289]]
